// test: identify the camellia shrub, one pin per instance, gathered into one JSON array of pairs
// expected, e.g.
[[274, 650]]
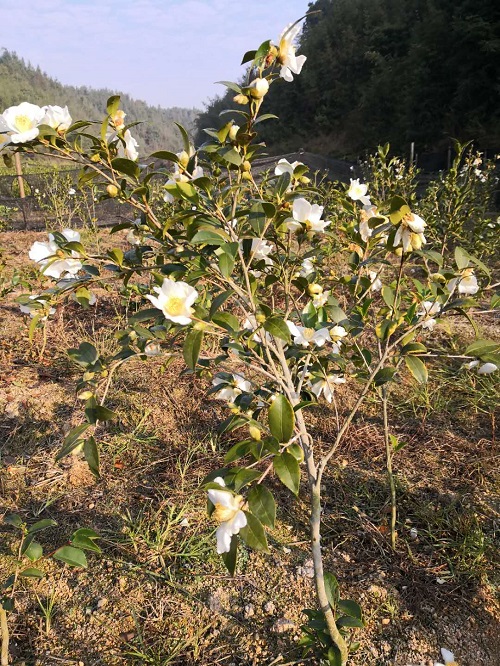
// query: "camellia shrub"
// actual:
[[242, 266]]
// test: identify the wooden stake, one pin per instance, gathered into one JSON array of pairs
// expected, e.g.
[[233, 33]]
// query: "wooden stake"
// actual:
[[19, 173]]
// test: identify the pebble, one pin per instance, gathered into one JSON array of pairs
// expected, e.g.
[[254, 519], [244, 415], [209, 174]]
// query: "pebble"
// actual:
[[282, 625], [269, 608], [102, 602], [248, 611], [306, 570]]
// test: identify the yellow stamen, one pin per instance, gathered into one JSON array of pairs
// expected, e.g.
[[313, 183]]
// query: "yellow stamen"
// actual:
[[23, 123], [175, 306]]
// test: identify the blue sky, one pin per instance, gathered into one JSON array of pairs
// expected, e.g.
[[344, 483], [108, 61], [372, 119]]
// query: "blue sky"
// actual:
[[167, 52]]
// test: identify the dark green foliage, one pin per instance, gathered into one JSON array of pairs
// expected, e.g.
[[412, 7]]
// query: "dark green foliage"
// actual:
[[387, 70], [20, 82]]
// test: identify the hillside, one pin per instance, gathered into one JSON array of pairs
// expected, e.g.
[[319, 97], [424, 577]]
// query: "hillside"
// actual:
[[387, 70], [22, 82]]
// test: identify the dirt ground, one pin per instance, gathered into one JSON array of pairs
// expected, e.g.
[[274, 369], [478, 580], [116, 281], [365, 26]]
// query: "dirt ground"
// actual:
[[158, 593]]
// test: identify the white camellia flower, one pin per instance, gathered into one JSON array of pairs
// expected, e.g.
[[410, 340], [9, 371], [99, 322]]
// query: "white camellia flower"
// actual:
[[284, 166], [175, 300], [410, 233], [180, 175], [290, 62], [326, 386], [228, 513], [25, 309], [429, 308], [307, 267], [129, 151], [260, 250], [258, 88], [43, 254], [306, 336], [357, 192], [319, 300], [470, 365], [306, 215], [57, 117], [22, 121], [337, 333], [467, 283], [448, 658], [487, 369], [152, 349], [251, 324], [230, 392], [367, 212], [376, 282]]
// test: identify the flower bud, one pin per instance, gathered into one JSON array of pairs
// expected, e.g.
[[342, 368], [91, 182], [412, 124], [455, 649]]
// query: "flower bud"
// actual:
[[247, 166], [304, 180], [240, 99], [183, 158], [200, 326], [118, 119], [233, 131], [416, 241], [132, 335], [246, 176], [314, 289], [258, 88], [437, 277], [254, 433], [398, 252], [96, 158], [112, 190], [260, 317]]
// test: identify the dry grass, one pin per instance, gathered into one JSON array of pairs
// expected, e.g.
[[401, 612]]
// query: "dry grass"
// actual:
[[159, 594]]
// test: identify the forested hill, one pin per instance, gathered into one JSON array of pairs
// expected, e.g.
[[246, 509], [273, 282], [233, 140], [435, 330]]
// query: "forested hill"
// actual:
[[388, 70], [20, 82]]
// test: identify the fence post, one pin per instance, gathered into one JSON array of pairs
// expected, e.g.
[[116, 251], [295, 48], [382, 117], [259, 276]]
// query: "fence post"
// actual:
[[19, 174]]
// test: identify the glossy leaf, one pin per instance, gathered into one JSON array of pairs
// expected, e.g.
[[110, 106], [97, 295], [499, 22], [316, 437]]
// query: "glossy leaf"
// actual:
[[288, 471], [281, 418], [253, 534], [72, 556], [262, 505]]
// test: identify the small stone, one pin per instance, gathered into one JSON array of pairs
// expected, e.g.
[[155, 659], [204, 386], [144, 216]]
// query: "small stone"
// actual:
[[184, 523], [282, 625], [91, 505], [102, 602], [306, 570], [214, 603], [248, 611], [413, 533], [386, 621], [269, 608], [287, 550]]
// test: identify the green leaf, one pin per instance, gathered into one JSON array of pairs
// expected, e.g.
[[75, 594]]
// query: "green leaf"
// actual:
[[232, 156], [113, 104], [72, 440], [165, 155], [32, 573], [249, 55], [72, 556], [227, 321], [219, 300], [332, 589], [480, 347], [350, 608], [84, 542], [91, 453], [417, 368], [288, 471], [126, 167], [282, 183], [388, 294], [209, 237], [262, 505], [253, 534], [384, 375], [347, 621], [185, 138], [244, 477], [230, 558], [86, 354], [462, 258], [95, 412], [226, 265], [191, 349], [334, 656], [42, 525], [31, 549], [281, 418], [230, 85], [13, 519], [187, 191], [277, 327]]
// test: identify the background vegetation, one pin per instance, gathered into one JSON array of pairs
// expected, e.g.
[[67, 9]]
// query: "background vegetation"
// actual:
[[20, 81], [388, 70]]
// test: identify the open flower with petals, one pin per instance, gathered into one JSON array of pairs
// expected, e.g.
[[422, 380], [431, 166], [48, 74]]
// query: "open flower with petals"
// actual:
[[319, 300], [290, 62], [357, 192], [175, 299], [467, 283], [375, 280], [308, 336], [33, 312], [261, 250], [410, 233], [307, 267], [129, 150], [228, 513], [57, 117], [326, 386], [22, 122], [284, 166], [306, 216], [429, 308], [365, 231], [231, 390], [180, 175], [53, 262]]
